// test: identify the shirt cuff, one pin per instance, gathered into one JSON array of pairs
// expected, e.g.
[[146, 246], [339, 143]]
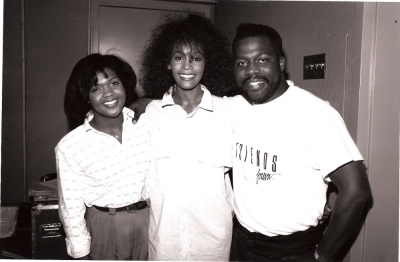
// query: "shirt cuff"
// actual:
[[78, 248]]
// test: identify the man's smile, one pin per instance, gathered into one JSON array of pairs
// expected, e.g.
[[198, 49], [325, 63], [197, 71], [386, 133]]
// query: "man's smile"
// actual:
[[254, 83]]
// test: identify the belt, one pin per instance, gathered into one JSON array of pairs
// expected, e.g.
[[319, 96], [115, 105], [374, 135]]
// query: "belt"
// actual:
[[129, 208], [279, 246]]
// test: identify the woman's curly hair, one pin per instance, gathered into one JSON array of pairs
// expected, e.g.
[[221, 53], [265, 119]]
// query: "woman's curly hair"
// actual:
[[84, 76], [193, 30]]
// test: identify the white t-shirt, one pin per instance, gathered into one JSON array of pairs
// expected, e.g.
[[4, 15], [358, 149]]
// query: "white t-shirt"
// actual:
[[285, 150]]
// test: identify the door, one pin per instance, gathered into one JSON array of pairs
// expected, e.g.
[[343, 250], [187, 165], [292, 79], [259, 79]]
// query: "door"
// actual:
[[378, 130]]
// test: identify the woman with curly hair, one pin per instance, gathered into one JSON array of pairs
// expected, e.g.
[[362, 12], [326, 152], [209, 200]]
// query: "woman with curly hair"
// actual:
[[186, 67], [193, 30], [102, 164]]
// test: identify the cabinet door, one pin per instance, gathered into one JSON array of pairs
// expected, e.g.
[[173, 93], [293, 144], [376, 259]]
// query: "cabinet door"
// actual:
[[122, 27]]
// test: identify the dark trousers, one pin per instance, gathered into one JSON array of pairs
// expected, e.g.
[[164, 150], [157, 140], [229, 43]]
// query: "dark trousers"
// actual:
[[253, 246]]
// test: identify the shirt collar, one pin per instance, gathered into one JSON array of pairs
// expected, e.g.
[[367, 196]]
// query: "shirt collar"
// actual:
[[206, 101], [127, 115]]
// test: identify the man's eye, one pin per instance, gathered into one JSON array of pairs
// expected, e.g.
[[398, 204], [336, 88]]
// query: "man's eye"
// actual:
[[263, 60], [241, 63]]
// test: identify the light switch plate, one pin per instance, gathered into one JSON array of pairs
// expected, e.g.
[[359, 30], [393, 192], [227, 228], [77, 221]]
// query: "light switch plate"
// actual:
[[314, 67]]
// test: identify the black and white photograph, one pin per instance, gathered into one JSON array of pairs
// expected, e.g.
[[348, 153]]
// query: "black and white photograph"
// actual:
[[200, 130]]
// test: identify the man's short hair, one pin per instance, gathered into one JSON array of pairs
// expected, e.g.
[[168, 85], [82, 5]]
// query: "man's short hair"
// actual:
[[246, 30]]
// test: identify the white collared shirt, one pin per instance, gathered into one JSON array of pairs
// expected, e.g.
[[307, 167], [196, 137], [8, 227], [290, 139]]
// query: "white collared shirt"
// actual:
[[94, 168], [191, 197]]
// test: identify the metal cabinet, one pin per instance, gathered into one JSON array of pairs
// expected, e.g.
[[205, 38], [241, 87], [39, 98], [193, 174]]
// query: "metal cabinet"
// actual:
[[48, 237]]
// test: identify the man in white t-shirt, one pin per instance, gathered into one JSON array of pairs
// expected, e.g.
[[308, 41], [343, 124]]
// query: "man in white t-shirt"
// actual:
[[289, 146]]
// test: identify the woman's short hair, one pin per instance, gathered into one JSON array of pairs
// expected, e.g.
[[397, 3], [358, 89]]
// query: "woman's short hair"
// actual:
[[84, 76]]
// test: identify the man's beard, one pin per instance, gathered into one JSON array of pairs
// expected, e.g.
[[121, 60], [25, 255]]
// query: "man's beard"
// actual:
[[264, 96]]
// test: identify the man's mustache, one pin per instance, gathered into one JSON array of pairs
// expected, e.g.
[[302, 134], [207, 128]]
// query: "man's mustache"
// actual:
[[255, 78]]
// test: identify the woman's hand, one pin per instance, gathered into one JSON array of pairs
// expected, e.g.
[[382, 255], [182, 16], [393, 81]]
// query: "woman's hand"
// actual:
[[139, 106]]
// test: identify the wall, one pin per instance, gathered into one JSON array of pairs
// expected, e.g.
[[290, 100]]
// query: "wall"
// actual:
[[12, 167], [39, 56]]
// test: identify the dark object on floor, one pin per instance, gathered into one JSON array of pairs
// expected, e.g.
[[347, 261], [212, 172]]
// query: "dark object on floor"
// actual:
[[48, 237]]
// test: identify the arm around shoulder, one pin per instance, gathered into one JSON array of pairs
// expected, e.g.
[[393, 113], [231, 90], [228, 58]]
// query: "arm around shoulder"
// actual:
[[139, 107]]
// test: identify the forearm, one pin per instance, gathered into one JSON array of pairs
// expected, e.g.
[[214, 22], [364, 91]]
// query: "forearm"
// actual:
[[77, 236], [347, 214], [348, 211], [71, 206]]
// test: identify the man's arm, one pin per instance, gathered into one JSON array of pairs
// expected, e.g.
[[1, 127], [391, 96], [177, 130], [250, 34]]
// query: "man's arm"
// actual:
[[139, 106], [354, 194]]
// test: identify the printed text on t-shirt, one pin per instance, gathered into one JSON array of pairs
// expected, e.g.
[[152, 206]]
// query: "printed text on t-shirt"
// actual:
[[264, 176], [255, 157]]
